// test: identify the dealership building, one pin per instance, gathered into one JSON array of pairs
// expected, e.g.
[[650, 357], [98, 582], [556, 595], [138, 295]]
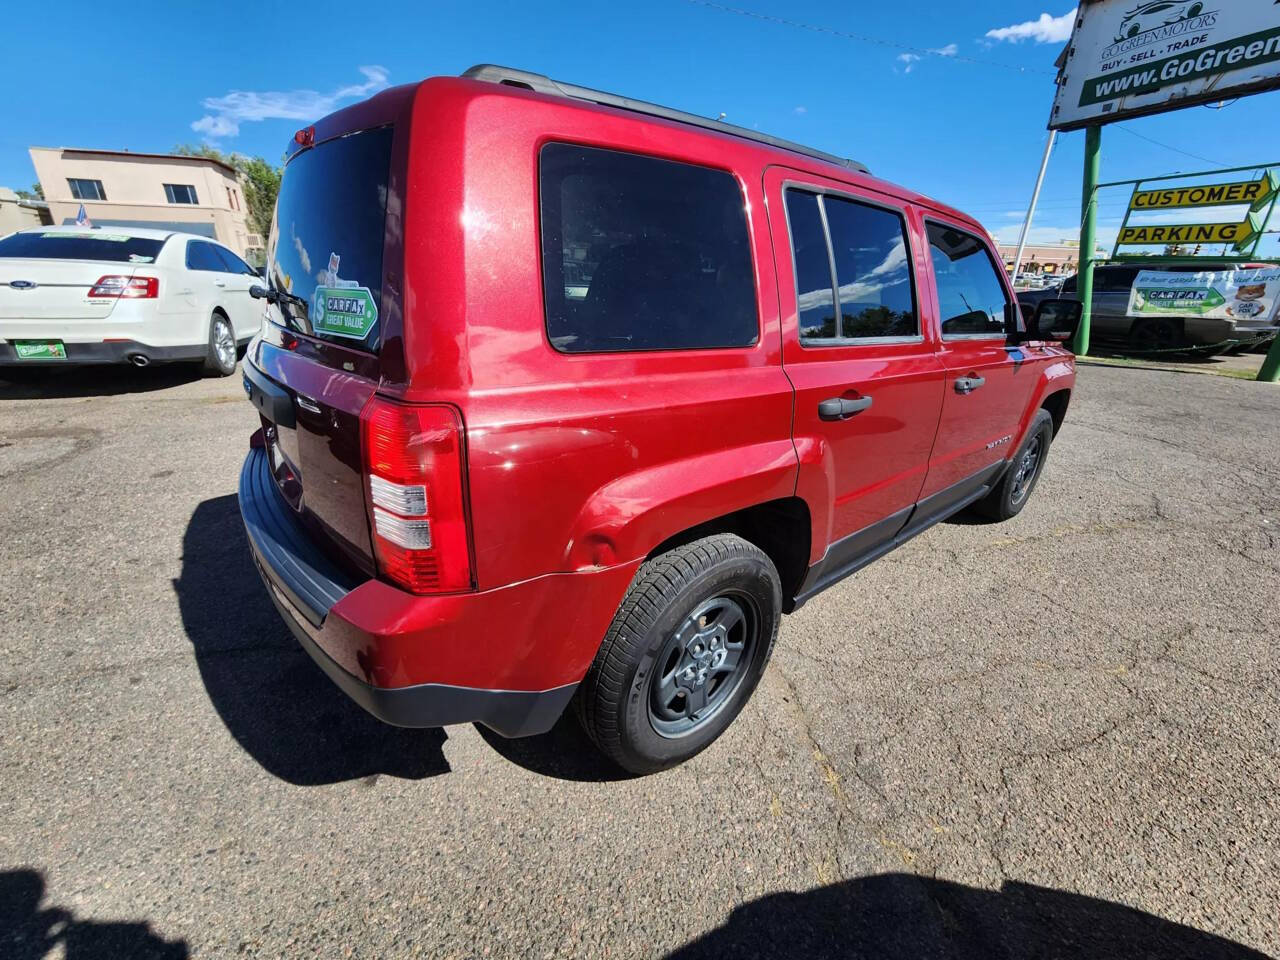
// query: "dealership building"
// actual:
[[162, 191]]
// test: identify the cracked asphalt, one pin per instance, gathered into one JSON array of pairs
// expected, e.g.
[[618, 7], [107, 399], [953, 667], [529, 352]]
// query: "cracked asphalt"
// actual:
[[1056, 737]]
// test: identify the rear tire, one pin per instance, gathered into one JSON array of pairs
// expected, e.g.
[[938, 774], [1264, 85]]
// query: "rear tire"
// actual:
[[684, 653], [1014, 489], [220, 357]]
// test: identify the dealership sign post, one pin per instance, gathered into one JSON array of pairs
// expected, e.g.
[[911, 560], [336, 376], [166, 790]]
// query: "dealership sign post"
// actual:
[[1129, 58]]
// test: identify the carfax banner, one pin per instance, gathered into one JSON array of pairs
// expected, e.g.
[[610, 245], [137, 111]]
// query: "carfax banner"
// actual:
[[1128, 58], [1233, 294]]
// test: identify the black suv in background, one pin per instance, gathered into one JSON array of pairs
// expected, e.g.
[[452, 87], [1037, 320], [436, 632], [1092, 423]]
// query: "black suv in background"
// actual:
[[1111, 322]]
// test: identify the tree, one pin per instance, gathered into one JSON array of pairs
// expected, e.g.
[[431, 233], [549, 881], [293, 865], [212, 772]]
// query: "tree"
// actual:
[[35, 193], [258, 178]]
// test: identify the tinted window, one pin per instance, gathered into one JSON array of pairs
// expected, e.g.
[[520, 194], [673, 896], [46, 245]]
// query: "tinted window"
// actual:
[[95, 245], [86, 189], [230, 262], [204, 256], [180, 193], [330, 228], [643, 254], [815, 297], [872, 269], [971, 299], [1115, 280]]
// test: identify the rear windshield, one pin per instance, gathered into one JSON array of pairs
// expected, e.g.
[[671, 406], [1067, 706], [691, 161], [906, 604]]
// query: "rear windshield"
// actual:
[[326, 241], [96, 245]]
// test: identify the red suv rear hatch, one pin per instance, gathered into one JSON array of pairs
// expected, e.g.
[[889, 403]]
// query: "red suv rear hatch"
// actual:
[[333, 261]]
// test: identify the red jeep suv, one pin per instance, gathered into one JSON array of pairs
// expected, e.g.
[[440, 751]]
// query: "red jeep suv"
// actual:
[[569, 397]]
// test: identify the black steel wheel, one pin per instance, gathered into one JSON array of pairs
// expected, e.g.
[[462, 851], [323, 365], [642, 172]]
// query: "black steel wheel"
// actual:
[[684, 653], [1011, 492]]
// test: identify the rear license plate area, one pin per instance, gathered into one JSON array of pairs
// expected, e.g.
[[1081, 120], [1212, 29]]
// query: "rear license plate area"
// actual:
[[40, 349]]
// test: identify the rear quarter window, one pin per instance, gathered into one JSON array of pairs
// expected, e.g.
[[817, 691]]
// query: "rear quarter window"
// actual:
[[640, 253]]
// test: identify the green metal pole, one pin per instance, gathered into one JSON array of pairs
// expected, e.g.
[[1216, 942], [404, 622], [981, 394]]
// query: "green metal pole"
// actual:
[[1088, 232], [1270, 371]]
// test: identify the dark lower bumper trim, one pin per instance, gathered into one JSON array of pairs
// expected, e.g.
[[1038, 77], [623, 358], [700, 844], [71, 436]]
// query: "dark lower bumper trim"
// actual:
[[511, 713]]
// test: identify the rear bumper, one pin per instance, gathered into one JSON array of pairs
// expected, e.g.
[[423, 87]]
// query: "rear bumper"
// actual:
[[113, 351], [509, 658]]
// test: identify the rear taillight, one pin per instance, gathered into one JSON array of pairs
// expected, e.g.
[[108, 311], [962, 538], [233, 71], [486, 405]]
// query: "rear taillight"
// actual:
[[414, 466], [126, 288]]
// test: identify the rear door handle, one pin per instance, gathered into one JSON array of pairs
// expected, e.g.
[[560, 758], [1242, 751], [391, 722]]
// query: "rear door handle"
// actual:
[[219, 283], [306, 403], [838, 408], [969, 384]]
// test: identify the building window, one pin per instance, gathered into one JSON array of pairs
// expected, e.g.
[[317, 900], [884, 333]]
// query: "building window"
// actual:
[[180, 193], [86, 189], [231, 199]]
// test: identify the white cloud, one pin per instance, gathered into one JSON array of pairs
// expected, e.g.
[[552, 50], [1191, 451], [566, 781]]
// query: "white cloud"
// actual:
[[1046, 29], [303, 256], [242, 106], [909, 59], [950, 50], [801, 110]]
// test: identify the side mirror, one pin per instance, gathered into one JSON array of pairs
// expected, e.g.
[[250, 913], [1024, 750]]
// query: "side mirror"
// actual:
[[1055, 320], [259, 292]]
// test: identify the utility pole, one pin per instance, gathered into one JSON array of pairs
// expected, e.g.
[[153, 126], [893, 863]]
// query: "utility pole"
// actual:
[[1031, 210]]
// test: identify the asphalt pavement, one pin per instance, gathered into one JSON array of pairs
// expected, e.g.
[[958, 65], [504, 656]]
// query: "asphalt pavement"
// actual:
[[1055, 737]]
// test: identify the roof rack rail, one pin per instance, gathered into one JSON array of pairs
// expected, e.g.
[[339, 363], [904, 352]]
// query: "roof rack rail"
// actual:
[[492, 73]]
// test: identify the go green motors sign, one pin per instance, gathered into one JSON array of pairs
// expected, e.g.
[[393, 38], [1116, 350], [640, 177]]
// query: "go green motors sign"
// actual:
[[344, 311], [1128, 57]]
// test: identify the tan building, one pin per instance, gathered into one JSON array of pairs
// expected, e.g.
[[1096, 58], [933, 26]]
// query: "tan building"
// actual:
[[1058, 258], [19, 214], [123, 189]]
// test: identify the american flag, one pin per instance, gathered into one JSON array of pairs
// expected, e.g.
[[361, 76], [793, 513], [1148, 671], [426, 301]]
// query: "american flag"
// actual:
[[82, 218]]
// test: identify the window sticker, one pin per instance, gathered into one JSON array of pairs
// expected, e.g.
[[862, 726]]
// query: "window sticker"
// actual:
[[344, 311], [113, 237], [139, 258]]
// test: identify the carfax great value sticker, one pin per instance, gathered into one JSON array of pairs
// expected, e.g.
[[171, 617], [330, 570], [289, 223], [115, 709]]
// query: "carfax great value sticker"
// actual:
[[344, 311], [1228, 294]]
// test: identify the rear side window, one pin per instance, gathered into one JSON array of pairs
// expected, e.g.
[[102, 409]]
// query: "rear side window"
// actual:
[[643, 254], [871, 290], [95, 245], [204, 256], [328, 236], [971, 298], [231, 263]]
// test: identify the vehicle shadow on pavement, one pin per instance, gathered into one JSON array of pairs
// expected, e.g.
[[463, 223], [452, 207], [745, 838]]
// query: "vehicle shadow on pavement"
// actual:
[[904, 917], [274, 700], [30, 932], [564, 752], [50, 383]]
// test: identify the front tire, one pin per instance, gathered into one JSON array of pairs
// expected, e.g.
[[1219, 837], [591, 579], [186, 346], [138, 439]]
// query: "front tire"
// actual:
[[220, 358], [684, 653], [1014, 489]]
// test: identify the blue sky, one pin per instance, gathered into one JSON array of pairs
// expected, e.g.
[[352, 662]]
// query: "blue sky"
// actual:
[[952, 102]]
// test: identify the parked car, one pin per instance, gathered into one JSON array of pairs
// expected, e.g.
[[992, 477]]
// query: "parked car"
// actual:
[[1110, 320], [486, 485], [72, 294]]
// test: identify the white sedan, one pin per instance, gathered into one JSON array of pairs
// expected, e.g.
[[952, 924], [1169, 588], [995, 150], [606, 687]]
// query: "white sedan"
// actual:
[[123, 295]]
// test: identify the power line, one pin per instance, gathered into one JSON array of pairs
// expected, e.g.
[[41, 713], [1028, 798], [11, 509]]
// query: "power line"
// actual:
[[862, 38], [1193, 156]]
